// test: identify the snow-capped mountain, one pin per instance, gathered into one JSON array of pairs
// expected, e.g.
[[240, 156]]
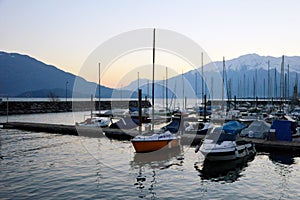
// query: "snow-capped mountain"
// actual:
[[245, 76], [255, 61]]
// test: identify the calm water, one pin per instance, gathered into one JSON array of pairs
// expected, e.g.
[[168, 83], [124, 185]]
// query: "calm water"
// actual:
[[53, 166]]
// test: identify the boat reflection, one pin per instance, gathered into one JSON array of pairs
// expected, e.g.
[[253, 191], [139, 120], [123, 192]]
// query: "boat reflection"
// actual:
[[223, 171], [92, 132], [159, 159], [283, 157], [146, 165]]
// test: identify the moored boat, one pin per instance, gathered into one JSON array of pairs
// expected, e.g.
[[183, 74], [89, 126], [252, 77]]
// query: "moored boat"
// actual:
[[220, 146], [95, 122], [155, 141]]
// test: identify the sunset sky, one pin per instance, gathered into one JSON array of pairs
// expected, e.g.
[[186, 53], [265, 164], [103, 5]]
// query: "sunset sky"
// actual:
[[64, 33]]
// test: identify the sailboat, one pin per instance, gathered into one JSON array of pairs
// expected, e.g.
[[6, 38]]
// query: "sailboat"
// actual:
[[95, 119], [153, 141]]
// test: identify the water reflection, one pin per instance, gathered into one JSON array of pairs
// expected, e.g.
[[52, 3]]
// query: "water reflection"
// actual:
[[223, 171], [160, 159], [283, 162], [147, 165], [283, 157]]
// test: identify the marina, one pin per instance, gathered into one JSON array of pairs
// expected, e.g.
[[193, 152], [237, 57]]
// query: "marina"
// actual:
[[40, 164], [261, 144], [149, 100]]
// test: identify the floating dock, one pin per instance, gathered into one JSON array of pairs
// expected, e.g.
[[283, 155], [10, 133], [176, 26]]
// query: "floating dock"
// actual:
[[186, 139], [267, 145]]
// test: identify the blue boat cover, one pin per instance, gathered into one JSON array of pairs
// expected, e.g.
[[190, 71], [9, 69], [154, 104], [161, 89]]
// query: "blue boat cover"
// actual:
[[126, 123], [233, 127], [284, 129], [173, 126]]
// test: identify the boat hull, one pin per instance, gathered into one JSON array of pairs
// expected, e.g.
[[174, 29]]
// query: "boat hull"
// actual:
[[232, 153], [148, 146]]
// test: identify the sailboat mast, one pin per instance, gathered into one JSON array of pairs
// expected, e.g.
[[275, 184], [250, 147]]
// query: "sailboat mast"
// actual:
[[269, 94], [153, 71], [275, 83], [138, 74], [202, 77], [99, 90], [282, 79], [288, 82], [166, 88], [183, 106], [196, 81], [223, 81]]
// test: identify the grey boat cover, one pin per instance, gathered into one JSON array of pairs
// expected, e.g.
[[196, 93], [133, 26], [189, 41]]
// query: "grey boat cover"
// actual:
[[257, 129]]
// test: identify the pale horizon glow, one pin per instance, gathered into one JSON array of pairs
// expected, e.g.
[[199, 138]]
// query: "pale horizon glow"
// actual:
[[136, 62], [64, 33]]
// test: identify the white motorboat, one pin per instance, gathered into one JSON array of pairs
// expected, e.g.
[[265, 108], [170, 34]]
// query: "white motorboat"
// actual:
[[220, 146]]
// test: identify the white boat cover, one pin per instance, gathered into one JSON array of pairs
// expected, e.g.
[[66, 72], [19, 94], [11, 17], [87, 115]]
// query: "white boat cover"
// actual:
[[257, 129]]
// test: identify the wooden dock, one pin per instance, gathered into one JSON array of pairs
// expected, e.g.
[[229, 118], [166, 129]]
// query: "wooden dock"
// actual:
[[41, 127], [267, 145], [186, 139]]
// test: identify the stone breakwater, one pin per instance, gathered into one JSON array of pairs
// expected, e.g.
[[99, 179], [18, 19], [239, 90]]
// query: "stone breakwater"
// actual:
[[32, 107]]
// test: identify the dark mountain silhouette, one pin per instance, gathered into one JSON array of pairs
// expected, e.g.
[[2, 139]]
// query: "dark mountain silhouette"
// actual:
[[24, 76]]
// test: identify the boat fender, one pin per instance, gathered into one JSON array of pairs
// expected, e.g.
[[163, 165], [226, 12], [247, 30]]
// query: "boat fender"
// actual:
[[197, 148]]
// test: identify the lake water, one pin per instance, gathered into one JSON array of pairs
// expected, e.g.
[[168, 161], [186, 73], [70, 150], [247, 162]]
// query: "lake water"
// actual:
[[53, 166]]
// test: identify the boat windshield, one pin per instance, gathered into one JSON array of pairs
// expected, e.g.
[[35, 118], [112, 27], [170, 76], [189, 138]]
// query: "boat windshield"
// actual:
[[218, 136]]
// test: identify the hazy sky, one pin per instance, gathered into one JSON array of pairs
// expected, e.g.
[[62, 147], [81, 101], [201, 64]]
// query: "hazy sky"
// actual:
[[65, 32]]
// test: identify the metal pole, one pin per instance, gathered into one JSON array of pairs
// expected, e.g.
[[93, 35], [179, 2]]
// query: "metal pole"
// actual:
[[67, 91], [138, 80], [166, 88], [153, 72], [7, 109], [99, 82], [92, 105], [202, 77], [140, 109]]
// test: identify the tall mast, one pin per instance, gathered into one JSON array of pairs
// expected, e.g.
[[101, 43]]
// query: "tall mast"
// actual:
[[148, 94], [256, 88], [264, 88], [223, 77], [183, 106], [166, 88], [153, 71], [196, 81], [269, 95], [212, 87], [282, 79], [244, 86], [202, 77], [288, 82], [163, 91], [99, 90], [138, 74], [275, 81]]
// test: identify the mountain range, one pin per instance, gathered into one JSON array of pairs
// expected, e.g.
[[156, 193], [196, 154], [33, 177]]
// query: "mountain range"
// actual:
[[246, 76], [24, 76]]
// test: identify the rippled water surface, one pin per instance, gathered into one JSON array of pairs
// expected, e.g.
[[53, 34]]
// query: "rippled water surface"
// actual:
[[54, 166]]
